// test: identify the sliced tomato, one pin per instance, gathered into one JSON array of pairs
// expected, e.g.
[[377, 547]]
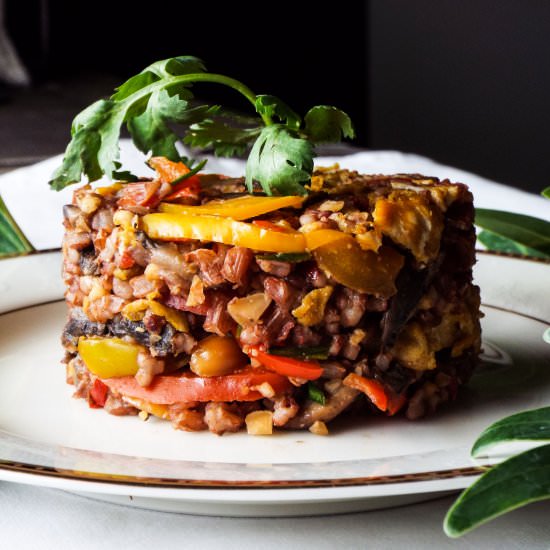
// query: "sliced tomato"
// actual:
[[288, 366], [170, 389], [141, 193]]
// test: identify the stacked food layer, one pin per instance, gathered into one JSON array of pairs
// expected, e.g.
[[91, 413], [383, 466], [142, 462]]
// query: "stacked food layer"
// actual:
[[207, 306]]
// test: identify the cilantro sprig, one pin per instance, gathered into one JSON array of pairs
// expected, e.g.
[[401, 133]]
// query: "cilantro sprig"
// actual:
[[153, 102]]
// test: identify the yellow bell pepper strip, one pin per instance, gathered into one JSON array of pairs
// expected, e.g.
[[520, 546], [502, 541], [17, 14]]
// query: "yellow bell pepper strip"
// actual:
[[323, 237], [109, 357], [174, 227], [362, 270], [238, 208]]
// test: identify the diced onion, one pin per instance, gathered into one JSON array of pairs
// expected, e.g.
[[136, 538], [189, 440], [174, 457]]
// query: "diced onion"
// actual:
[[249, 309], [259, 423]]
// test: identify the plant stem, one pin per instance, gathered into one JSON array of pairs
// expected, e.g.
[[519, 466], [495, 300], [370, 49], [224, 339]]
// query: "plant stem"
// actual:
[[200, 77]]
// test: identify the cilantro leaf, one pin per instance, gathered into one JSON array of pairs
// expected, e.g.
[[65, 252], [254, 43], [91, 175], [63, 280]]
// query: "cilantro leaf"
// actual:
[[280, 160], [272, 106], [227, 141], [153, 101], [326, 124], [150, 130]]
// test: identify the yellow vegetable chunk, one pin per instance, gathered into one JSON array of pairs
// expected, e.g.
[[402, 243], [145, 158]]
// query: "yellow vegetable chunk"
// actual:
[[411, 221], [109, 357], [259, 423], [323, 237], [239, 208], [312, 309], [216, 356], [362, 270], [174, 227]]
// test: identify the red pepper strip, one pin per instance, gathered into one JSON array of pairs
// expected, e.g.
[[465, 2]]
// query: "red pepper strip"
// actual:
[[98, 394], [287, 366], [396, 403], [371, 388], [141, 193], [189, 187]]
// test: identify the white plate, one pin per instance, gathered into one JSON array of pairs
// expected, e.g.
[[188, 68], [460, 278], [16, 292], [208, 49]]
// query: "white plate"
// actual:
[[49, 439]]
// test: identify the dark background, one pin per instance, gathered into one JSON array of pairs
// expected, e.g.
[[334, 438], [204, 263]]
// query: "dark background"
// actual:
[[464, 82]]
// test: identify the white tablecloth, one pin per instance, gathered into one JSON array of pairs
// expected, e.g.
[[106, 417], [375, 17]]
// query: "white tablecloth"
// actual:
[[33, 517]]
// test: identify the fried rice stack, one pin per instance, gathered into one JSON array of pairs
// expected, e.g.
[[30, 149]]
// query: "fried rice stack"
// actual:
[[211, 308]]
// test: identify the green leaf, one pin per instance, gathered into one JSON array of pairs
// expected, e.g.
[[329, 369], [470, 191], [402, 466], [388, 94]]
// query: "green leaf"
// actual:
[[93, 149], [227, 140], [525, 230], [502, 244], [524, 426], [326, 124], [513, 483], [195, 170], [150, 102], [12, 239], [316, 394], [271, 106], [281, 161], [150, 130], [546, 192]]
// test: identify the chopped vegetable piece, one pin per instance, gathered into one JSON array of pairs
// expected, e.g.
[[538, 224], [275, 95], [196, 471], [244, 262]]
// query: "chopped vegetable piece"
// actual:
[[174, 227], [319, 428], [287, 366], [109, 357], [373, 389], [217, 356], [323, 237], [170, 389], [141, 193], [98, 393], [249, 309], [135, 310], [238, 208], [167, 170], [313, 352], [282, 257], [316, 394], [312, 309], [259, 423], [362, 270]]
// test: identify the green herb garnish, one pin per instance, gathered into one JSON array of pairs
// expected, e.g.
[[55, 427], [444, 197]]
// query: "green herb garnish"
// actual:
[[312, 352], [517, 481], [149, 103], [316, 394], [291, 257]]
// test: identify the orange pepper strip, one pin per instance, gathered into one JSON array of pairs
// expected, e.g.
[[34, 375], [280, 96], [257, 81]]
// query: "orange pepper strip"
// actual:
[[167, 170], [174, 227], [373, 389]]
